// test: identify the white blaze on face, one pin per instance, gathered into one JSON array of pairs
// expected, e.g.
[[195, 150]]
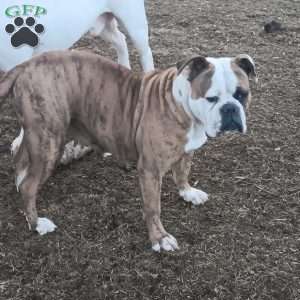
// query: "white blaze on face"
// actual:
[[223, 85]]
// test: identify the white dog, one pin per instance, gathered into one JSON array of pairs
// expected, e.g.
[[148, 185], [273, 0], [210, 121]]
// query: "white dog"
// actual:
[[59, 24], [43, 25]]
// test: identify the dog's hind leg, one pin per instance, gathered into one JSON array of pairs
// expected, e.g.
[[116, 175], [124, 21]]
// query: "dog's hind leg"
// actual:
[[106, 27], [111, 33], [137, 28], [35, 162], [98, 26], [181, 170]]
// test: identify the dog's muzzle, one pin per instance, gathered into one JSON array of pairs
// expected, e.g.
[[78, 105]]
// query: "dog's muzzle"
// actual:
[[231, 118]]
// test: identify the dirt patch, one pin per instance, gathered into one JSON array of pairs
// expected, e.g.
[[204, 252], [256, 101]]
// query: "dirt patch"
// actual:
[[242, 244]]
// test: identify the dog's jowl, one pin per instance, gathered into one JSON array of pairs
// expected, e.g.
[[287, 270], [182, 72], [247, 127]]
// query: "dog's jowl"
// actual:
[[157, 119]]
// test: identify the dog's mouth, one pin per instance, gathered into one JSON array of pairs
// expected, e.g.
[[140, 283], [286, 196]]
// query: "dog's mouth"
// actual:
[[232, 126], [231, 118], [232, 122], [209, 136], [214, 131], [225, 128]]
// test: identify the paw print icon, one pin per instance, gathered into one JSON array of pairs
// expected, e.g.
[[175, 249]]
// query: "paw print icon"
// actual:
[[24, 32]]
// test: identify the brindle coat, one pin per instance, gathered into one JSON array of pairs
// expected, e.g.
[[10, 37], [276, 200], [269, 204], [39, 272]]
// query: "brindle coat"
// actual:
[[99, 102]]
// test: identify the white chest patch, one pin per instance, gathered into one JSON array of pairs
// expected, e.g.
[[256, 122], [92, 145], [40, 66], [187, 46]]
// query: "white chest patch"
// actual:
[[196, 138]]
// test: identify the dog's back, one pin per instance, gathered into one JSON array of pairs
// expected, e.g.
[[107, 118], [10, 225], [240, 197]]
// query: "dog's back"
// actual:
[[60, 90], [59, 73]]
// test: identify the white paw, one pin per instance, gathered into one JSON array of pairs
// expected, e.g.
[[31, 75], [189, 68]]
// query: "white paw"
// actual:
[[194, 195], [168, 243], [44, 226]]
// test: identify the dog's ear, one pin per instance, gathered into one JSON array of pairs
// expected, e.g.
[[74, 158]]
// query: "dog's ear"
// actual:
[[246, 63], [194, 66]]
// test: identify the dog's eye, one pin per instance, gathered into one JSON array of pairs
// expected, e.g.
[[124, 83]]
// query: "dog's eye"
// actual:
[[240, 95], [212, 99]]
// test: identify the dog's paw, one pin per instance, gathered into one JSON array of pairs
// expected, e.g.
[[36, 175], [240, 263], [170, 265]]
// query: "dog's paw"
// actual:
[[44, 226], [167, 243], [194, 195], [73, 151]]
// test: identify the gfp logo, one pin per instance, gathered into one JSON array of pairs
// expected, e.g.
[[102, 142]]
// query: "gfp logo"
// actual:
[[25, 30], [25, 10]]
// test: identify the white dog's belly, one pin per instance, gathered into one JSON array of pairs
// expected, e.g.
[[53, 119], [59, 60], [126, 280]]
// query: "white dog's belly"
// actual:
[[63, 30]]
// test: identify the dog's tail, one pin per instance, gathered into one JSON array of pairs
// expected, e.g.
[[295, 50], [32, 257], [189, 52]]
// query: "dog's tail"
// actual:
[[7, 81]]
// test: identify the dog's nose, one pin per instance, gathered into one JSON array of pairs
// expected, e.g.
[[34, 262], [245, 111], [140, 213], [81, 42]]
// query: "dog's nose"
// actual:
[[229, 108], [231, 118]]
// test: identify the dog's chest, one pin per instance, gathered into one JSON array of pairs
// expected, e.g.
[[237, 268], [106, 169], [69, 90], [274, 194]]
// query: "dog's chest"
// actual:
[[196, 137]]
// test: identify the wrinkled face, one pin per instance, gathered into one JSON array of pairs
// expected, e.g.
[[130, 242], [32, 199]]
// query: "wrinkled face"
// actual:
[[218, 95]]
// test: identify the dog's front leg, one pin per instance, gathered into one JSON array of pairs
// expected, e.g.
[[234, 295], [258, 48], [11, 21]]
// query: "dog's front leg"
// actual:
[[150, 181], [181, 170]]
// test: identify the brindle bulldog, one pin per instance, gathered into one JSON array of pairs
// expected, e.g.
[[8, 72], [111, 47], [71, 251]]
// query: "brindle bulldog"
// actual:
[[157, 119]]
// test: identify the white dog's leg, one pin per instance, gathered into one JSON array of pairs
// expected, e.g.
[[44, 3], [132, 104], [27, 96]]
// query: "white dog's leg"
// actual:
[[112, 34], [106, 27], [145, 53], [137, 28], [99, 25], [139, 36]]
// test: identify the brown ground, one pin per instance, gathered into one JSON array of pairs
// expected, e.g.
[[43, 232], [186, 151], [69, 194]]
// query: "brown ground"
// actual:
[[243, 244]]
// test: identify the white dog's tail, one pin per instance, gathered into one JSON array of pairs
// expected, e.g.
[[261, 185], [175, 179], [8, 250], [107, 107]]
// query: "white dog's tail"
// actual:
[[7, 81]]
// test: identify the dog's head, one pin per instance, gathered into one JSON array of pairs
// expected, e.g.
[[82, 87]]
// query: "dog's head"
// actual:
[[215, 91]]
